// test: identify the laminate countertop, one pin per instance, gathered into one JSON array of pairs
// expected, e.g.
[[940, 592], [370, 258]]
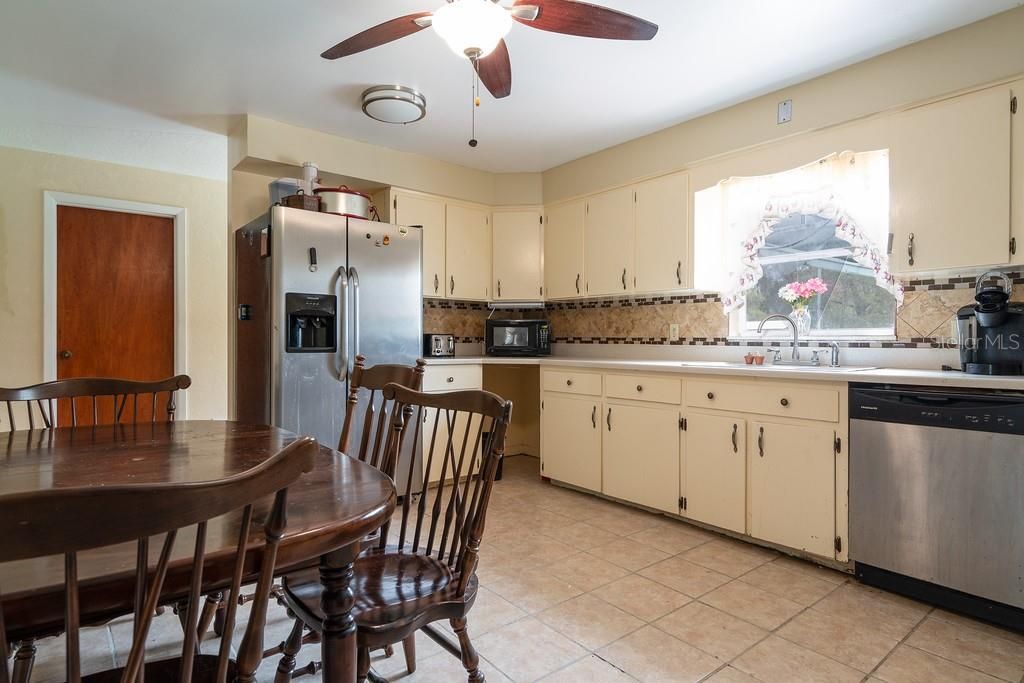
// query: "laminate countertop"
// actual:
[[878, 375]]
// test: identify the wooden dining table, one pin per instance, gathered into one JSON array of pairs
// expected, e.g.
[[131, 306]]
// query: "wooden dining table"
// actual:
[[330, 510]]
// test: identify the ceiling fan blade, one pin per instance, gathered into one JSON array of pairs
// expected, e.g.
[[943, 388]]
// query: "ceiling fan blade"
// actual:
[[496, 71], [378, 35], [586, 20]]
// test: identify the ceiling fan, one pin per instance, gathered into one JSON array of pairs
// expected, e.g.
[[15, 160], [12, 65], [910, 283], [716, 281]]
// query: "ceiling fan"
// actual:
[[476, 29]]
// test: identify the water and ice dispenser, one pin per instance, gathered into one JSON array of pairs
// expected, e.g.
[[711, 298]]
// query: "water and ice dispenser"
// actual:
[[312, 323]]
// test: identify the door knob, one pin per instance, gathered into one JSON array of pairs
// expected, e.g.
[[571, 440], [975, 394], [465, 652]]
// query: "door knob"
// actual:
[[65, 354]]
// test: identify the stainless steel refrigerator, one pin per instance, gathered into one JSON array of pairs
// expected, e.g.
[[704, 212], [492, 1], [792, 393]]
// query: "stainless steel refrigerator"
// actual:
[[313, 291]]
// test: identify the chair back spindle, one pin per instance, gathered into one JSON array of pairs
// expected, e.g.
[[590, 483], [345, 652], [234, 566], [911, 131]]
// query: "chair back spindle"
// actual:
[[373, 427], [33, 524], [91, 401], [467, 434]]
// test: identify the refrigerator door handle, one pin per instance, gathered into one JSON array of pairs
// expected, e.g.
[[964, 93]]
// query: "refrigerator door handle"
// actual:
[[353, 276], [342, 370]]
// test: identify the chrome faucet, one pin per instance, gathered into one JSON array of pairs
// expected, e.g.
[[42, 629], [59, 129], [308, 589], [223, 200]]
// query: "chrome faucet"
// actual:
[[835, 354], [796, 333]]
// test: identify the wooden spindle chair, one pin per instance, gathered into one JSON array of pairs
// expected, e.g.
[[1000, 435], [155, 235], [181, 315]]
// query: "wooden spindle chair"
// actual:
[[35, 524], [376, 420], [91, 401], [425, 570]]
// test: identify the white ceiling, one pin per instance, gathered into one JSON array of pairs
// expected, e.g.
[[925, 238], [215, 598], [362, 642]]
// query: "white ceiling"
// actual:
[[200, 61]]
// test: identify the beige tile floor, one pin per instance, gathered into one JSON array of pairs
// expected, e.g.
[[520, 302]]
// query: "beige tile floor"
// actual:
[[576, 588]]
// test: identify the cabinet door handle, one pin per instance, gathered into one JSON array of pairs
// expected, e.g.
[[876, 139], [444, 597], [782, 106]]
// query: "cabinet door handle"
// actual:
[[499, 289], [593, 417], [679, 273], [639, 387], [453, 284], [623, 278], [760, 441], [609, 419], [451, 380], [568, 382], [437, 283], [735, 441], [784, 402], [910, 249], [577, 283], [711, 396]]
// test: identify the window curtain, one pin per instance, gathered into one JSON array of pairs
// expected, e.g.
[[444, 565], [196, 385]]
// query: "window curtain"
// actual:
[[851, 189]]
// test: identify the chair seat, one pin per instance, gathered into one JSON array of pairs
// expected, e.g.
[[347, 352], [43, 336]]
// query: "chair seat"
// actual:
[[393, 590]]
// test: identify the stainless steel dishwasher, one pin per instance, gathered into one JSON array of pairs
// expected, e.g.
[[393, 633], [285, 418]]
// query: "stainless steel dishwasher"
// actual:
[[937, 496]]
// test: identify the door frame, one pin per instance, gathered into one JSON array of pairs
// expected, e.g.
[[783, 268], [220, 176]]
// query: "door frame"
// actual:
[[179, 215]]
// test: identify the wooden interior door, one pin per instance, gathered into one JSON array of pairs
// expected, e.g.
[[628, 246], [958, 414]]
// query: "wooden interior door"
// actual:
[[115, 300]]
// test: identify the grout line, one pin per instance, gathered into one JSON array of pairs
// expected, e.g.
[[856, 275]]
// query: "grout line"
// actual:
[[901, 642]]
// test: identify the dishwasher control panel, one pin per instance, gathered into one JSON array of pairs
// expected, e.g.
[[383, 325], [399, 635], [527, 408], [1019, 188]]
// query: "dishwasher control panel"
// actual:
[[1000, 412]]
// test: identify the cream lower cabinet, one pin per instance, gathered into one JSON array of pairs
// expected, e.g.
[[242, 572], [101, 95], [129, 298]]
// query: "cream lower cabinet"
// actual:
[[715, 470], [792, 485], [571, 440], [754, 457], [640, 455]]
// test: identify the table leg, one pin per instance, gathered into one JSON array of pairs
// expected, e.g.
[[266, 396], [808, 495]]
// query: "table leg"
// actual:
[[338, 646]]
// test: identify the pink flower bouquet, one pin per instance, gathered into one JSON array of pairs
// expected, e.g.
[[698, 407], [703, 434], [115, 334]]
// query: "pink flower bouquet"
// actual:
[[799, 294]]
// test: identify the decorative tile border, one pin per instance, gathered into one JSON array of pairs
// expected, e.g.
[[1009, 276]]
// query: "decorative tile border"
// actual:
[[960, 282]]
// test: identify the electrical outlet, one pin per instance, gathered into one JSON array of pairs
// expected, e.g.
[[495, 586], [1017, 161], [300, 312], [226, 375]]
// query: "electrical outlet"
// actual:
[[673, 332]]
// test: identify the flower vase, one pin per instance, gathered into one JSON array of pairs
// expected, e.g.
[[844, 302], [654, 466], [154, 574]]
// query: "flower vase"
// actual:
[[802, 317]]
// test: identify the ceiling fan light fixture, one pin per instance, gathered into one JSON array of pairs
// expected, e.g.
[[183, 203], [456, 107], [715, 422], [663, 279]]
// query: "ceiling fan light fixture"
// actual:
[[396, 104], [472, 28]]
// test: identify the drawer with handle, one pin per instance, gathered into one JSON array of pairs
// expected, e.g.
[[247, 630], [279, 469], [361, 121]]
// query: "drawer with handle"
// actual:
[[565, 381], [453, 377], [639, 388], [763, 398]]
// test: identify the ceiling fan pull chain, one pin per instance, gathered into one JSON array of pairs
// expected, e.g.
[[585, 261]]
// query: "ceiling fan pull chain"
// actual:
[[476, 100]]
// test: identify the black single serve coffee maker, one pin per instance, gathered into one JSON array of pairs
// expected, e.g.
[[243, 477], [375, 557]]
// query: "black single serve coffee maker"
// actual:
[[991, 330]]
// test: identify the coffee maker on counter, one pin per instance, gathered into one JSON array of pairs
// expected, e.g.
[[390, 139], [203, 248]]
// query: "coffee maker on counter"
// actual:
[[991, 330]]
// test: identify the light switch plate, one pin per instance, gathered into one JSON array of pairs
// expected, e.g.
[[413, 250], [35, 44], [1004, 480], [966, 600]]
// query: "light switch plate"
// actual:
[[786, 111], [673, 332]]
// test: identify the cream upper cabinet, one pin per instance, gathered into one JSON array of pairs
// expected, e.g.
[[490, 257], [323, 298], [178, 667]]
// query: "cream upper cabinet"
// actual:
[[640, 456], [518, 255], [563, 251], [662, 235], [715, 465], [950, 183], [571, 440], [468, 252], [428, 212], [608, 243], [792, 486]]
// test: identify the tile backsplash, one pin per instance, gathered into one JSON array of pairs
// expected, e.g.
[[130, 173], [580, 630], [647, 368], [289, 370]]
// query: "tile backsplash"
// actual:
[[927, 318]]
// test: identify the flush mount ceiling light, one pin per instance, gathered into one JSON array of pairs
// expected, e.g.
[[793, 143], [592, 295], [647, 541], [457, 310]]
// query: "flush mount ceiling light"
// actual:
[[394, 104]]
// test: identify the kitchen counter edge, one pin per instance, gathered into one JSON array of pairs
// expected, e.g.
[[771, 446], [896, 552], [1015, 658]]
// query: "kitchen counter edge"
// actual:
[[935, 378]]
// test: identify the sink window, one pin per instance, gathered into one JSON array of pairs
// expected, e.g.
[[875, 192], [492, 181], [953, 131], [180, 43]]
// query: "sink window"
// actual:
[[809, 243]]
